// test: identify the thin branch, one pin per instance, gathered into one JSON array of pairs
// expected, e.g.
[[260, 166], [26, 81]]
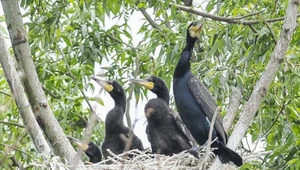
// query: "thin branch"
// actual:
[[51, 93], [252, 29], [273, 124], [12, 124], [122, 42], [14, 147], [256, 155], [166, 20], [92, 117], [135, 74], [232, 109], [269, 28], [249, 15], [150, 20], [231, 20], [7, 94], [211, 128]]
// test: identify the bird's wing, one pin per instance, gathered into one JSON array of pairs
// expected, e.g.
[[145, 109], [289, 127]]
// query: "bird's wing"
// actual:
[[182, 127], [207, 103]]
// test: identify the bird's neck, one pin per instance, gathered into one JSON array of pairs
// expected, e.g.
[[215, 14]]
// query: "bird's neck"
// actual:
[[120, 102], [183, 65], [164, 95], [114, 120], [189, 45]]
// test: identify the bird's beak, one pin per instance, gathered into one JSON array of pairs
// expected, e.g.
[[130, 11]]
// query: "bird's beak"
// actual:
[[103, 84], [197, 28], [149, 85], [80, 144]]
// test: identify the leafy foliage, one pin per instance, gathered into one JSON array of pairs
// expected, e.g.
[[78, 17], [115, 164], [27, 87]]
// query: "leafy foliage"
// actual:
[[69, 39]]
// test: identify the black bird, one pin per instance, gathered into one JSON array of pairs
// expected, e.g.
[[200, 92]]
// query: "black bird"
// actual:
[[91, 150], [115, 130], [195, 104], [165, 131]]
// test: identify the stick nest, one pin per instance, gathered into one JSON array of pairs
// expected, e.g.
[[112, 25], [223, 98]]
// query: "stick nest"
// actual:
[[144, 160]]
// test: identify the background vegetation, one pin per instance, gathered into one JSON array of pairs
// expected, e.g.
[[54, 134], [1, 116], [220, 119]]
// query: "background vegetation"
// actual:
[[69, 38]]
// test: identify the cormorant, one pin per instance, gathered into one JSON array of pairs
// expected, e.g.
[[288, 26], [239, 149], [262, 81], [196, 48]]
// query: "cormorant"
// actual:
[[91, 150], [115, 130], [195, 104], [165, 131]]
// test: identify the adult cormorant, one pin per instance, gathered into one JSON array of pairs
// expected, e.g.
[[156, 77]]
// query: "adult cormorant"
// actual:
[[115, 130], [165, 131], [195, 103], [91, 150]]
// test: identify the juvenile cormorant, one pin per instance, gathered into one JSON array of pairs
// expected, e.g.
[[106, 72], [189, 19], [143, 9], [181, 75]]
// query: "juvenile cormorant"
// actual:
[[162, 120], [195, 103], [91, 150], [114, 125], [163, 133]]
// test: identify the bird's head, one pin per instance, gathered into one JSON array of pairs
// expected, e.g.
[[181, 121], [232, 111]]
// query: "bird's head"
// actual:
[[156, 110], [194, 29], [112, 87], [153, 83], [91, 150]]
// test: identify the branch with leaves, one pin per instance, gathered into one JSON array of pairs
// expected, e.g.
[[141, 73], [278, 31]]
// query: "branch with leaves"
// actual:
[[266, 78], [231, 20]]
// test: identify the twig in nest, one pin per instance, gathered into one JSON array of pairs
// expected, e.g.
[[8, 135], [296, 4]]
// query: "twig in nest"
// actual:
[[211, 128], [127, 140]]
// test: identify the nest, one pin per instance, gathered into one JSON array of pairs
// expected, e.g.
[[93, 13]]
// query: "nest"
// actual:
[[141, 160]]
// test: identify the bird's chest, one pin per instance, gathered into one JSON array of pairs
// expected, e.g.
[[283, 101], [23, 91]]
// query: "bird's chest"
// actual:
[[185, 101], [190, 112]]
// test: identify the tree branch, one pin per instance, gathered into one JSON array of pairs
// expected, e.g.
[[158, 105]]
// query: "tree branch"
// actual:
[[209, 140], [92, 117], [150, 20], [3, 92], [269, 28], [36, 96], [51, 93], [12, 124], [18, 92], [122, 42], [262, 86], [231, 20], [232, 109], [135, 74]]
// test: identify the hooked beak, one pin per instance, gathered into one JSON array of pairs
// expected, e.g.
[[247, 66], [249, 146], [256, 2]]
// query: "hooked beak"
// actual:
[[196, 29], [80, 144], [148, 84], [103, 84]]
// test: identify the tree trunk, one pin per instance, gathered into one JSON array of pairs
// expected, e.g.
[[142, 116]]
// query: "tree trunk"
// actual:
[[266, 78], [37, 98], [17, 90]]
